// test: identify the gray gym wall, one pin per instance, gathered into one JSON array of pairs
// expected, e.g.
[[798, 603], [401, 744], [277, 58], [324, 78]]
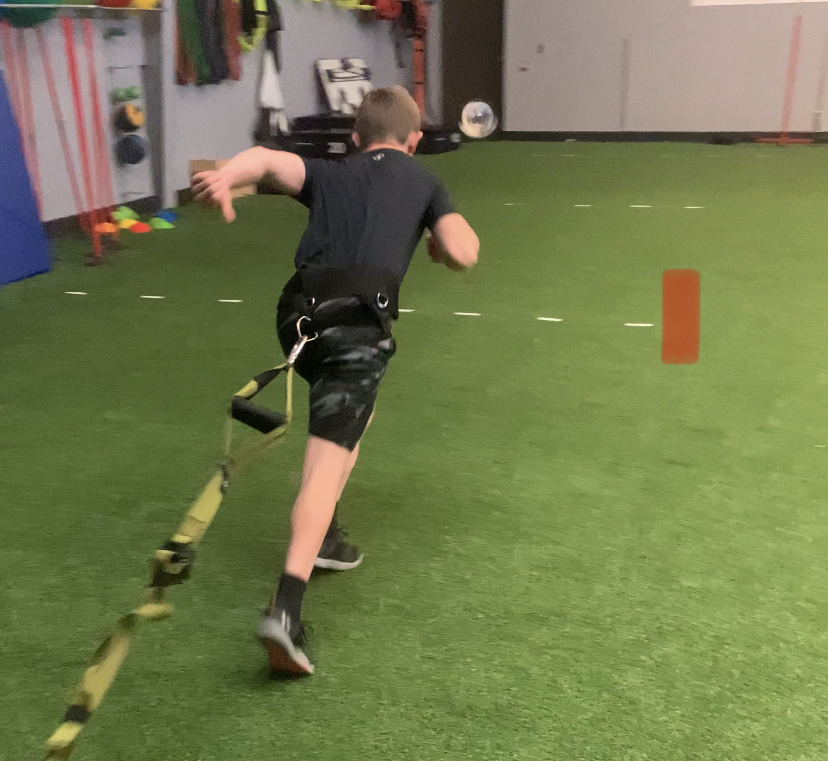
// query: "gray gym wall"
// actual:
[[693, 69], [213, 121], [217, 121]]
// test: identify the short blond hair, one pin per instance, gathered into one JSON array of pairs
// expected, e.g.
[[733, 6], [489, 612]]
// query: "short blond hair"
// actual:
[[387, 113]]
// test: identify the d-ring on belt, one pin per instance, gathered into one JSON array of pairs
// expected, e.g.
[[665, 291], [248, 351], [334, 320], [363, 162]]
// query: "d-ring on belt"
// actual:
[[173, 562]]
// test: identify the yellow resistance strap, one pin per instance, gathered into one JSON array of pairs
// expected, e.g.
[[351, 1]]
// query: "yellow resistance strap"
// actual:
[[173, 562]]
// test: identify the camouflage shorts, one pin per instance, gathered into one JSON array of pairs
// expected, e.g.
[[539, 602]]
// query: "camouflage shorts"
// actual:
[[343, 366]]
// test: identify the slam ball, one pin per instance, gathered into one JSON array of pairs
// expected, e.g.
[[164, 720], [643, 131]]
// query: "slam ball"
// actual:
[[131, 150]]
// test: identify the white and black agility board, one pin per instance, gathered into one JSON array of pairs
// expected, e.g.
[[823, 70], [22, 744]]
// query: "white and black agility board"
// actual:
[[345, 82]]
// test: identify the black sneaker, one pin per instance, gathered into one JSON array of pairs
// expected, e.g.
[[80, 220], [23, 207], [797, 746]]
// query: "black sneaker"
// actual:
[[284, 639], [336, 554]]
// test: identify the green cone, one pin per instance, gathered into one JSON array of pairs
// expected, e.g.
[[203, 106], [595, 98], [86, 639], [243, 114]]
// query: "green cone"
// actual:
[[122, 213]]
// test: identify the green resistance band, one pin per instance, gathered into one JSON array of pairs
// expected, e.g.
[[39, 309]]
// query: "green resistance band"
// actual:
[[173, 562]]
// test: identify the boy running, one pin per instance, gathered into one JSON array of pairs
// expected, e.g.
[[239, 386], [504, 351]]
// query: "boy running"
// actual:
[[366, 217]]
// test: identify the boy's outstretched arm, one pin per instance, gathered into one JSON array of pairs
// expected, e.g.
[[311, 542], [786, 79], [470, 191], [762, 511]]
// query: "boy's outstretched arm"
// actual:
[[287, 170], [454, 243]]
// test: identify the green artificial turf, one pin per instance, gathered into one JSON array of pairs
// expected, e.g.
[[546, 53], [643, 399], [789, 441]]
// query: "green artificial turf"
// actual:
[[572, 550]]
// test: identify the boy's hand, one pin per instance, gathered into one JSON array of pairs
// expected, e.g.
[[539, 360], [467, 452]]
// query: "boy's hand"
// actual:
[[434, 250], [438, 256], [456, 241], [213, 189]]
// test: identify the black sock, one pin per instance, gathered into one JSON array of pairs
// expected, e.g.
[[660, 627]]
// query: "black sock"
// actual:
[[289, 596]]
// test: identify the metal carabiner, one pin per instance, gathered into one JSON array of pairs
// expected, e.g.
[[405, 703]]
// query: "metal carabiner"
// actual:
[[300, 344]]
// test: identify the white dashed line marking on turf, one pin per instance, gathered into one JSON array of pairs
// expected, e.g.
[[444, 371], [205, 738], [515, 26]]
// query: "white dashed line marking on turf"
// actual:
[[406, 311], [76, 293], [549, 319], [467, 314], [153, 297], [638, 325], [230, 301], [694, 207], [820, 446], [640, 206], [583, 205]]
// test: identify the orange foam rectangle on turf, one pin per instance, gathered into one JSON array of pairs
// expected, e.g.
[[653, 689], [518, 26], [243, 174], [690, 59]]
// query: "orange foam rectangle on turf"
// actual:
[[681, 326]]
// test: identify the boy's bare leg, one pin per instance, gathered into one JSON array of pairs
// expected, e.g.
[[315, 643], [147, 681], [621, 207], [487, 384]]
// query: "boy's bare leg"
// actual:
[[337, 553], [324, 474], [350, 558], [351, 462], [281, 631], [346, 474]]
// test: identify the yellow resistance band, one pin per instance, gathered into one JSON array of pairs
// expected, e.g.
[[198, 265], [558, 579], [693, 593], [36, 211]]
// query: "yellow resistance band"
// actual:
[[173, 562]]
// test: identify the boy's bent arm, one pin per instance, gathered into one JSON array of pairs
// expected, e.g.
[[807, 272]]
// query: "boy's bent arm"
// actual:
[[215, 188], [287, 170], [457, 241]]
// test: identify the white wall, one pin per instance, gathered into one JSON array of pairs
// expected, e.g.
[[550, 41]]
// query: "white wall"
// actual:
[[692, 68]]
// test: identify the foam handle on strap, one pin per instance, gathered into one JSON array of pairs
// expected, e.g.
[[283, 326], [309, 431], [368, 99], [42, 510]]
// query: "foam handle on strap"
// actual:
[[256, 416]]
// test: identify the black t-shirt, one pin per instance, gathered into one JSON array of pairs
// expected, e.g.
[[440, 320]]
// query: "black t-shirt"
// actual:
[[369, 211]]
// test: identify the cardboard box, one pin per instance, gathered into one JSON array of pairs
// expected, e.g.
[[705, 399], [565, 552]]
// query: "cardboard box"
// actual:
[[205, 165]]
